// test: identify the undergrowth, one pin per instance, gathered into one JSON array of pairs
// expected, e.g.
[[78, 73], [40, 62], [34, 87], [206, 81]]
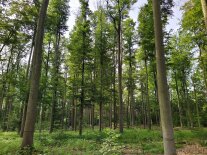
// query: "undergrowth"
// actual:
[[98, 143]]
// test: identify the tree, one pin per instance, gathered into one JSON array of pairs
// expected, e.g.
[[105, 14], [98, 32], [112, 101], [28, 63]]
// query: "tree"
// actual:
[[102, 59], [129, 37], [204, 8], [163, 93], [117, 10], [35, 77]]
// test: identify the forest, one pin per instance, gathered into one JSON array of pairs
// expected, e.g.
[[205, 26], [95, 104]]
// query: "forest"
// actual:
[[110, 85]]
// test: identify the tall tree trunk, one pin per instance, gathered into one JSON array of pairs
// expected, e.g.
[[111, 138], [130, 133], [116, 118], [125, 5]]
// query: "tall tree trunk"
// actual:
[[144, 117], [42, 107], [121, 104], [56, 72], [147, 94], [179, 105], [35, 78], [187, 102], [27, 79], [203, 66], [131, 89], [163, 92], [114, 90], [196, 103], [127, 110], [204, 8]]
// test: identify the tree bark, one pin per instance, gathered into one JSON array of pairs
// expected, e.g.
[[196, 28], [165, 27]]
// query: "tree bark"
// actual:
[[178, 96], [196, 103], [35, 79], [56, 72], [204, 8], [147, 95], [121, 104], [163, 92]]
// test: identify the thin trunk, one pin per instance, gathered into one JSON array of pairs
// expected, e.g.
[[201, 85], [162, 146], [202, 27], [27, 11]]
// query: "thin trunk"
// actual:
[[27, 78], [75, 115], [56, 79], [127, 110], [42, 109], [189, 113], [147, 94], [163, 92], [144, 117], [121, 104], [131, 89], [203, 66], [114, 90], [178, 96], [82, 97], [92, 116], [204, 8], [196, 103], [73, 110], [35, 79]]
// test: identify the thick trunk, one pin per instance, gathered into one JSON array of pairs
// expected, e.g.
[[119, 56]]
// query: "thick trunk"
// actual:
[[163, 92], [35, 78]]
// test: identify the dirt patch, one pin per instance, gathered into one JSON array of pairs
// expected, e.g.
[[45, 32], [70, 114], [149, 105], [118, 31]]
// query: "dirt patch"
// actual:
[[192, 150], [130, 151]]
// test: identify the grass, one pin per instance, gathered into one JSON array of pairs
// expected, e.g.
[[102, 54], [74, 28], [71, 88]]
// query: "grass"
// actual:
[[92, 142]]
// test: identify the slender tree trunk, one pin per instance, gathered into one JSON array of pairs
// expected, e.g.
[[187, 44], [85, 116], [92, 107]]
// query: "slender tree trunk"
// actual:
[[203, 66], [110, 114], [114, 90], [204, 8], [163, 92], [6, 87], [27, 78], [187, 102], [121, 104], [147, 94], [92, 116], [35, 78], [42, 107], [178, 96], [75, 115], [196, 103], [73, 110], [56, 72], [144, 117], [131, 89], [189, 113], [101, 97]]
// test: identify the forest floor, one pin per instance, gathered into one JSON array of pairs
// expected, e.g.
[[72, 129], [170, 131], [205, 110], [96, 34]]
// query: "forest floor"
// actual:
[[133, 141]]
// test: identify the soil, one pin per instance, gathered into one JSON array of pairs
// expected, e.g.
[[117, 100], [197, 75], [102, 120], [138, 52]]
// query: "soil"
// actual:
[[195, 149]]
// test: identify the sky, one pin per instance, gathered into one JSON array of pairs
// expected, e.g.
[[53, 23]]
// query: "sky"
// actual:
[[173, 21]]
